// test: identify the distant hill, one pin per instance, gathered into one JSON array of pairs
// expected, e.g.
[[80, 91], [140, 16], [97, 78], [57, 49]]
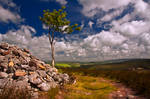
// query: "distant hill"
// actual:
[[121, 64]]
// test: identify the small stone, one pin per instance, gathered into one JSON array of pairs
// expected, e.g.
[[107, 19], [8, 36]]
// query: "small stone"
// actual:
[[20, 73], [35, 89], [15, 52], [3, 75], [42, 73], [34, 79], [4, 46], [41, 66], [26, 50], [31, 73], [49, 79], [16, 61], [24, 66], [5, 53], [21, 84], [57, 78], [131, 97], [32, 68], [32, 62], [2, 58], [4, 64], [11, 64], [23, 61], [44, 86]]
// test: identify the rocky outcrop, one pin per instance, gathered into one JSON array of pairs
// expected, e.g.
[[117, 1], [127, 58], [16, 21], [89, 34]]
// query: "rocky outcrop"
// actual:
[[18, 67]]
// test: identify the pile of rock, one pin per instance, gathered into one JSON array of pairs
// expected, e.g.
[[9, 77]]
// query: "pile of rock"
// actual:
[[18, 67]]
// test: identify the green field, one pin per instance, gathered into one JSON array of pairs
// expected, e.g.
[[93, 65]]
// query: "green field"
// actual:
[[67, 65], [129, 64]]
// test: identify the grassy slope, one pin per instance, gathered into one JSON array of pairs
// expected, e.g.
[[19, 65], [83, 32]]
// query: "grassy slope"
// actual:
[[108, 65], [88, 87]]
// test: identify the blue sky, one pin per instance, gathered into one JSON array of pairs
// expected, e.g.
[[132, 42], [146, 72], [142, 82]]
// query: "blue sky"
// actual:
[[110, 30]]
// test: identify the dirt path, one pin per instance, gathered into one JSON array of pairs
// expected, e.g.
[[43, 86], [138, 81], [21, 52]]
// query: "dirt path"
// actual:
[[123, 92]]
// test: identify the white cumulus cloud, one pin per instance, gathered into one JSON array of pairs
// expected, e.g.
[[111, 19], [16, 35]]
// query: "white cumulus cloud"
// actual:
[[62, 2]]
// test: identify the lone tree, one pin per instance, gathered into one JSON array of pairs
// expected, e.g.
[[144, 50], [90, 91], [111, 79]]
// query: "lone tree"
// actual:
[[56, 22]]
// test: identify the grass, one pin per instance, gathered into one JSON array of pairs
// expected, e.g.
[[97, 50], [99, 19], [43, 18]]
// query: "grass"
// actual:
[[88, 87], [12, 92], [138, 80], [67, 65], [51, 94]]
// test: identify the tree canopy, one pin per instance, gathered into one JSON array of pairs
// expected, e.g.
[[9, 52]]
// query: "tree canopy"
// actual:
[[56, 21]]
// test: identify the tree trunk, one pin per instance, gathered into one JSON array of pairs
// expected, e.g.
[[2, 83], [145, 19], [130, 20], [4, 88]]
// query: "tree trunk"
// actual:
[[51, 40], [53, 54]]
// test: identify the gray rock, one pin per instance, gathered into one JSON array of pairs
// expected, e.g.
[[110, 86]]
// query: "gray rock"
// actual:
[[4, 46], [35, 79], [21, 84], [26, 50], [42, 73], [25, 67], [15, 52], [3, 75], [131, 97], [23, 78], [49, 73], [65, 77], [4, 64], [1, 58], [50, 69], [57, 78], [16, 61], [49, 79], [53, 74], [44, 86], [33, 62]]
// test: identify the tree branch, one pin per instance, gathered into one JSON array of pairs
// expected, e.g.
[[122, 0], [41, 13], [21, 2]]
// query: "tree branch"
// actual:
[[49, 35]]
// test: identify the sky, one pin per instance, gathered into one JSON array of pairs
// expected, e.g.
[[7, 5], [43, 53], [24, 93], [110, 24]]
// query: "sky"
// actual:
[[117, 29]]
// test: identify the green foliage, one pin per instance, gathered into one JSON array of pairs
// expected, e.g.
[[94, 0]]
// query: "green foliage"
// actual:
[[57, 19]]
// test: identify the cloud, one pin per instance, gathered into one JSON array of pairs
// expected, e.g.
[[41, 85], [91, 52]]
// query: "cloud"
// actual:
[[9, 12], [92, 7], [8, 3], [90, 24], [133, 28], [62, 2], [101, 46], [111, 15], [7, 16], [128, 37]]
